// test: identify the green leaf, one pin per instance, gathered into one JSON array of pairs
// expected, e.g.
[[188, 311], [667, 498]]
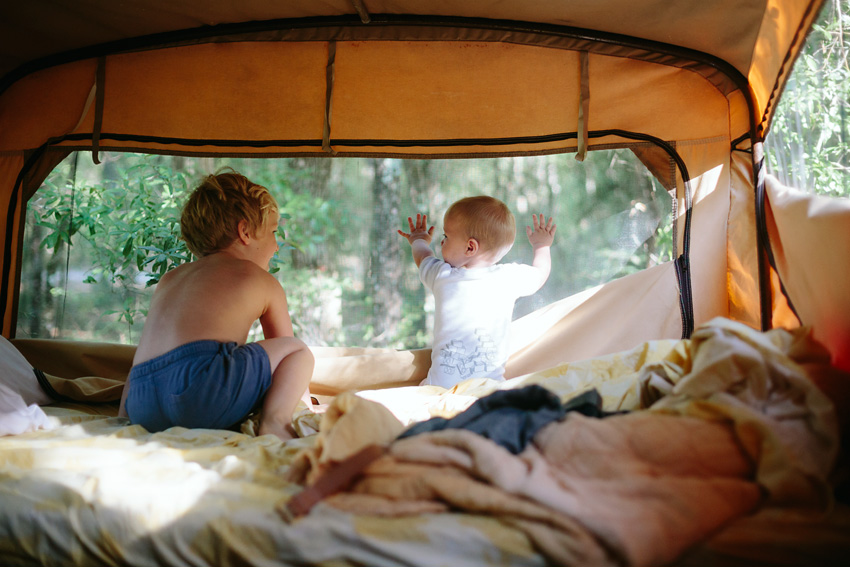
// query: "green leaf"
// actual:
[[128, 247]]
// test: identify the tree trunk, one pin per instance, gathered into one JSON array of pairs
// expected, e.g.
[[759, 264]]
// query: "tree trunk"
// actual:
[[34, 281], [385, 267], [311, 176], [423, 188]]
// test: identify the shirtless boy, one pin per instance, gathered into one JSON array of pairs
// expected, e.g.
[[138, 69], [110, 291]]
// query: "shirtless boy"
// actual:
[[192, 367]]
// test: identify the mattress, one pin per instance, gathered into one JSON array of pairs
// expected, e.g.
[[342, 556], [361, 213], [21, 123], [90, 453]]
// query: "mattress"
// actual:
[[723, 449]]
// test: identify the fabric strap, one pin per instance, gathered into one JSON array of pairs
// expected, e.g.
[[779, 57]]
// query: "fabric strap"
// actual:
[[329, 78], [583, 105], [100, 83]]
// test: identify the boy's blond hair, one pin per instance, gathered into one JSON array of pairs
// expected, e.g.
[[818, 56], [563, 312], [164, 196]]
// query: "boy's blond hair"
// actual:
[[486, 219], [211, 216]]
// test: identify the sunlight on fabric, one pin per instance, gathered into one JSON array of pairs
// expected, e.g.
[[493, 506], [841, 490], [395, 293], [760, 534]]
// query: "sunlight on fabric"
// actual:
[[124, 472], [145, 481], [526, 330]]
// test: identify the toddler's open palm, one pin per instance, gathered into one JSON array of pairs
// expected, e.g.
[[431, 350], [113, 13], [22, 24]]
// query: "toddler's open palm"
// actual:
[[543, 233], [418, 230]]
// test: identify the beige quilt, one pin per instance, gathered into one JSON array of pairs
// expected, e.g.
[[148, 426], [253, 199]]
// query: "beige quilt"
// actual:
[[729, 423], [733, 423]]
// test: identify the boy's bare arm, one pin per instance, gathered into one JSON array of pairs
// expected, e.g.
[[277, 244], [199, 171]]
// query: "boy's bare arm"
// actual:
[[419, 237], [541, 238], [275, 319], [122, 412]]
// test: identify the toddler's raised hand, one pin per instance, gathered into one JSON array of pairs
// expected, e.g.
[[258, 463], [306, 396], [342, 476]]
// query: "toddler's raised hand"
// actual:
[[543, 233], [418, 230]]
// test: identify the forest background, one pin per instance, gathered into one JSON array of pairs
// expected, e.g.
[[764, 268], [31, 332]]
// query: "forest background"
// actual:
[[98, 238]]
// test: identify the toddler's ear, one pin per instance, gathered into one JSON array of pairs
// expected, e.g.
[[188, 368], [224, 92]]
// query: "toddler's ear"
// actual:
[[472, 247]]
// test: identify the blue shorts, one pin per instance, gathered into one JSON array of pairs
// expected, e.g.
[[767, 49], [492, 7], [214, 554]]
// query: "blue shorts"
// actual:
[[202, 384]]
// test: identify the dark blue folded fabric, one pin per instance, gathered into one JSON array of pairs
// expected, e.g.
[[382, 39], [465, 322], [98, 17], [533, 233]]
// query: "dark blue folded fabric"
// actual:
[[512, 418]]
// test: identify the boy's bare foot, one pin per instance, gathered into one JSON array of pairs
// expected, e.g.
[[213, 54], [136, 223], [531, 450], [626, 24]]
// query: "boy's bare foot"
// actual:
[[271, 427]]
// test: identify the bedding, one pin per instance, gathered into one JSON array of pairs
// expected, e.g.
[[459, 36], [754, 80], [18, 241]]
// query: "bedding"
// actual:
[[710, 449], [20, 394]]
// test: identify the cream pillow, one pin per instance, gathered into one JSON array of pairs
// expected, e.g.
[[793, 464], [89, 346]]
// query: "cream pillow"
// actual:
[[20, 394], [17, 374]]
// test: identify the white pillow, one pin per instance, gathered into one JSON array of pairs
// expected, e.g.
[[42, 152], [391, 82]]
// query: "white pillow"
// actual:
[[17, 375], [20, 394]]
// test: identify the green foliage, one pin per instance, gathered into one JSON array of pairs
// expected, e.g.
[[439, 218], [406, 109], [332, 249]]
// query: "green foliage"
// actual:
[[140, 214], [122, 222], [316, 224], [807, 146], [124, 232], [132, 224]]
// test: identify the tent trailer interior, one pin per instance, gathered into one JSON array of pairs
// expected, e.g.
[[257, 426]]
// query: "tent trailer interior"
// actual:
[[695, 333]]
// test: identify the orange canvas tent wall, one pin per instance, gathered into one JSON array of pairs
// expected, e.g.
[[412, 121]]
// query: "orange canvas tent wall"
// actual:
[[689, 86]]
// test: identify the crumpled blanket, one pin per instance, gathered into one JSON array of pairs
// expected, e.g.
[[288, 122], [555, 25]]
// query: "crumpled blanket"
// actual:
[[635, 489], [512, 418], [734, 424], [762, 384], [16, 416]]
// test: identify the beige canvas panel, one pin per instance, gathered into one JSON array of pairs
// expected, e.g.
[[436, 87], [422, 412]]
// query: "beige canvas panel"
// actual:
[[452, 90], [270, 91], [603, 320], [225, 91], [782, 33], [741, 250], [367, 369], [810, 238], [96, 372], [259, 91], [46, 104], [708, 228], [74, 359], [783, 317], [468, 90], [754, 37], [666, 102], [739, 115]]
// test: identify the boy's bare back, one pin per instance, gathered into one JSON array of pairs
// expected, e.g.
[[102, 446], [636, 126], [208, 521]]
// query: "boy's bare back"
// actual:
[[201, 314], [217, 297]]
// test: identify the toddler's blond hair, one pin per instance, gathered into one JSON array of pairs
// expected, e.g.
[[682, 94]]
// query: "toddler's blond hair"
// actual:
[[211, 216], [486, 219]]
